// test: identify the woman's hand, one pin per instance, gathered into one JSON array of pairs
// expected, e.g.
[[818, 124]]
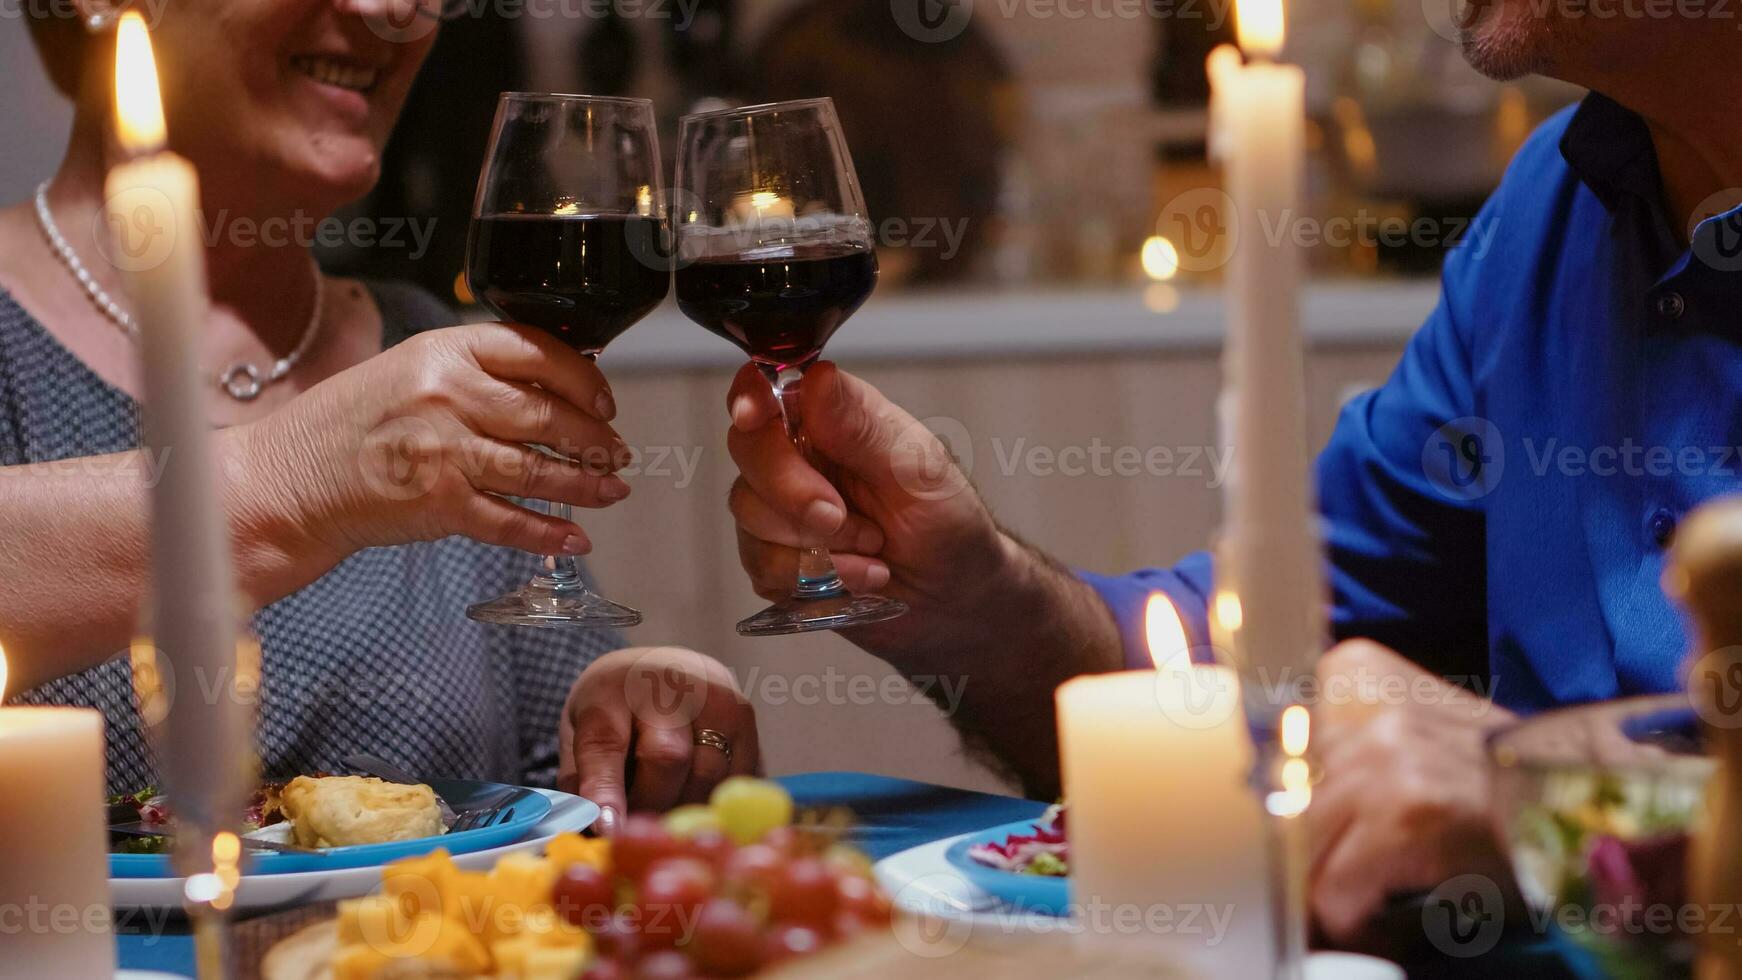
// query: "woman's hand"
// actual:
[[428, 439], [630, 729]]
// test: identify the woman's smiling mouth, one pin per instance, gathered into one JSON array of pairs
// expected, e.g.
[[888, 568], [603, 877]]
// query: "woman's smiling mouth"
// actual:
[[330, 71]]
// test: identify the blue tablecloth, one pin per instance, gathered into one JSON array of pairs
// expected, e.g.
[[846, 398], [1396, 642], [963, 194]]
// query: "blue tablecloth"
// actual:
[[896, 814]]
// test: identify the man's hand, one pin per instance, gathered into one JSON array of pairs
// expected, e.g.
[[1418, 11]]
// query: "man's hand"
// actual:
[[1404, 804], [628, 737], [905, 521]]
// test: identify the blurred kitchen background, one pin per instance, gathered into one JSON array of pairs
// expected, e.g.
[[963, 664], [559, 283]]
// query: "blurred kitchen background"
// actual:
[[1038, 173]]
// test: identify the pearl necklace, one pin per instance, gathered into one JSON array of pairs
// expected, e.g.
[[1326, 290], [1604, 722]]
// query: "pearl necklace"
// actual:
[[242, 380]]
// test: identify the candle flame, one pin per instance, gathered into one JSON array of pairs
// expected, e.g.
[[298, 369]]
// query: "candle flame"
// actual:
[[1296, 729], [1166, 635], [4, 672], [138, 102], [763, 200], [1259, 26]]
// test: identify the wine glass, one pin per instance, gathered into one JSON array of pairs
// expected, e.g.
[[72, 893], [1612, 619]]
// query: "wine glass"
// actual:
[[569, 235], [775, 253]]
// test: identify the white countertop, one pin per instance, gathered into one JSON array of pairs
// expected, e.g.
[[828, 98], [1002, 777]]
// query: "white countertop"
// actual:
[[927, 326]]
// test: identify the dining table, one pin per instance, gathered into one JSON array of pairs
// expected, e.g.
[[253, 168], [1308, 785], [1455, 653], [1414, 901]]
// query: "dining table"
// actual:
[[892, 815]]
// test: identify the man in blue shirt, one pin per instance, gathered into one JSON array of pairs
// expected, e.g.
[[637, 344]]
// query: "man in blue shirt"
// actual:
[[1497, 510]]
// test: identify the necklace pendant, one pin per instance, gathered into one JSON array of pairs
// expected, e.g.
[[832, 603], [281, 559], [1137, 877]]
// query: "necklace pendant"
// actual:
[[242, 382]]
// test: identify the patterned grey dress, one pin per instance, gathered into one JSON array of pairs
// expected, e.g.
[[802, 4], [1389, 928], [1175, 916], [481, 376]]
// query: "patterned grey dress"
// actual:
[[377, 655]]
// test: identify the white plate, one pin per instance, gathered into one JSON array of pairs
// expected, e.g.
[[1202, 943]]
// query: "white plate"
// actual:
[[263, 892], [922, 882]]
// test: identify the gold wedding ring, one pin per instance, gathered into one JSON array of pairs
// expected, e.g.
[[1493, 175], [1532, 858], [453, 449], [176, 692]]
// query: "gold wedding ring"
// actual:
[[714, 740]]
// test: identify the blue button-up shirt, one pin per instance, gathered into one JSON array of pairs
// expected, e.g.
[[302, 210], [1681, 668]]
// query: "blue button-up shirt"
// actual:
[[1501, 505]]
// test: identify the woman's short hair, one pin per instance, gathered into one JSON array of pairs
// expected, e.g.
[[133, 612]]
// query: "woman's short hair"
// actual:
[[61, 42]]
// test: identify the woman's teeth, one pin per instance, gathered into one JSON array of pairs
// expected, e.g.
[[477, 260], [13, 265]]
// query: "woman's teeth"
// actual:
[[329, 72]]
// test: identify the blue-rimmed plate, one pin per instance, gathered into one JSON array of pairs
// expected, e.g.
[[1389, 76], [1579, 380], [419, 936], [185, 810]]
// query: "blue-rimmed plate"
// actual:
[[1029, 893], [529, 807]]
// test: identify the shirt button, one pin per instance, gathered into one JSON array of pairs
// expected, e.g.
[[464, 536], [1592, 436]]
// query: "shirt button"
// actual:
[[1671, 306], [1662, 527]]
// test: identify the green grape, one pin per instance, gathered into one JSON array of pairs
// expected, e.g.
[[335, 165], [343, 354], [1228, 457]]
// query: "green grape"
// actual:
[[749, 808], [696, 818]]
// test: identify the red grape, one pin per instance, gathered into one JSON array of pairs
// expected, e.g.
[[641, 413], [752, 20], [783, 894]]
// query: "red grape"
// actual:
[[641, 841], [664, 965], [584, 895], [786, 840], [727, 939], [710, 846], [860, 897], [807, 895], [787, 941], [758, 868], [619, 938], [848, 925], [670, 896], [603, 969]]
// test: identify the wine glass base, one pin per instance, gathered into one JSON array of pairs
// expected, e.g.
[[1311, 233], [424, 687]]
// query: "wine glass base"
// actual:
[[547, 607], [798, 615]]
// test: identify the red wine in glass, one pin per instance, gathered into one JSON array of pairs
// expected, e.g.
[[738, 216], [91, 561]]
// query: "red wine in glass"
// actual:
[[780, 310], [775, 253], [583, 279], [569, 235]]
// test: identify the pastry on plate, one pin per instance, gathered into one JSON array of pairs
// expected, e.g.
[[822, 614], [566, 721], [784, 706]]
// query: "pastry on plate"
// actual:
[[340, 811]]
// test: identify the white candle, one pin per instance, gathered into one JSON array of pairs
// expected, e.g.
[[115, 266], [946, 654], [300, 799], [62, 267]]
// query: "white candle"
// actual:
[[152, 199], [1270, 558], [1223, 58], [54, 854], [1167, 845]]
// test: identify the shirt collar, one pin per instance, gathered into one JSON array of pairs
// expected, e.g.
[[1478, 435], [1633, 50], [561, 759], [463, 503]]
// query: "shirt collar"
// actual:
[[1609, 147]]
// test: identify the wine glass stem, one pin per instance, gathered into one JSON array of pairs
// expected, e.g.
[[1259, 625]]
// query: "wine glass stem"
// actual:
[[561, 571], [817, 577]]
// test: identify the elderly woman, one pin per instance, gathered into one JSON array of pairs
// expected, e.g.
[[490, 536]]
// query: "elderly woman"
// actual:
[[284, 106]]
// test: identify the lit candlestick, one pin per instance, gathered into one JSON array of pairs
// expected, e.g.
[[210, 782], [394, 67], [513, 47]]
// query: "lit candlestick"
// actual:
[[1268, 614], [205, 744], [54, 853], [1269, 559], [1163, 822]]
